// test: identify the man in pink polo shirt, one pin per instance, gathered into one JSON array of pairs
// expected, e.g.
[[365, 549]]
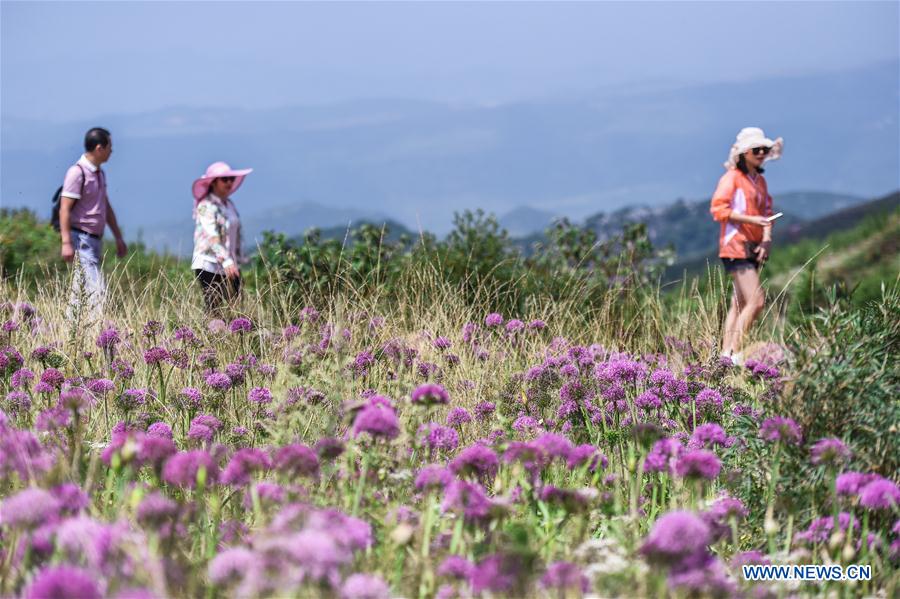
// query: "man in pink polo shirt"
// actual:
[[84, 212]]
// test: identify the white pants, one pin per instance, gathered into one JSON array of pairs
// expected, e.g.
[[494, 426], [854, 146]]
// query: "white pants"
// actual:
[[88, 284]]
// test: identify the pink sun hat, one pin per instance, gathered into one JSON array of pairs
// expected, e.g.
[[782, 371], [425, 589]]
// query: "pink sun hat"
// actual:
[[200, 188]]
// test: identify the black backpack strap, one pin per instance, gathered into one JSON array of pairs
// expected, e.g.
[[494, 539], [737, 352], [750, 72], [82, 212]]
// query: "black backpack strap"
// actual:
[[83, 177]]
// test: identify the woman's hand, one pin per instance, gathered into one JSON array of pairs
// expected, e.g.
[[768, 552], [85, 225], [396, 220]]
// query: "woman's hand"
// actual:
[[232, 272], [762, 221], [762, 251]]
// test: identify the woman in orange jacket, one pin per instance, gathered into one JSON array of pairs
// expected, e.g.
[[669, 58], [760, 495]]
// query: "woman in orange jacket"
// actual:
[[742, 204]]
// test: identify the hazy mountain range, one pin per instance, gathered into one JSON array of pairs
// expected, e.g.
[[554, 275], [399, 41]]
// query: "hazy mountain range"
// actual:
[[418, 162]]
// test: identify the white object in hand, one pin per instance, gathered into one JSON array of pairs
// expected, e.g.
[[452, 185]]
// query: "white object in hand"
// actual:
[[775, 216]]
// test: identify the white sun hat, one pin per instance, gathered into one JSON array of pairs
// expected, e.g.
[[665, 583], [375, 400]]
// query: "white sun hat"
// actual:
[[753, 137]]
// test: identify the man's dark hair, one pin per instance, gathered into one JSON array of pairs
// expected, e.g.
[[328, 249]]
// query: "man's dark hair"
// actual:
[[742, 166], [98, 136]]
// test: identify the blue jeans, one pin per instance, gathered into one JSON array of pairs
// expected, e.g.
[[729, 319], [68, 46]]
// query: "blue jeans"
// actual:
[[88, 283]]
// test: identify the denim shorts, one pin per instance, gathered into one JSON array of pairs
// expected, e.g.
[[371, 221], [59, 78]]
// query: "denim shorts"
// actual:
[[736, 264]]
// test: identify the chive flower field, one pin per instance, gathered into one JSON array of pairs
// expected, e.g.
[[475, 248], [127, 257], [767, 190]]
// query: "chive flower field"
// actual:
[[356, 450]]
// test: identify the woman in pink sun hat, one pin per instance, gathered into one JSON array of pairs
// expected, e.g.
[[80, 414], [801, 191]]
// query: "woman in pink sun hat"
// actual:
[[217, 235]]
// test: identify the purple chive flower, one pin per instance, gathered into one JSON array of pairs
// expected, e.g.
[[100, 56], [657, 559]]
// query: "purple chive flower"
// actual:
[[468, 332], [442, 343], [260, 395], [75, 398], [207, 420], [100, 386], [183, 468], [709, 401], [458, 416], [708, 435], [233, 564], [201, 433], [63, 581], [526, 425], [850, 483], [236, 373], [749, 558], [133, 398], [160, 429], [429, 394], [484, 409], [729, 507], [153, 328], [880, 494], [155, 355], [514, 325], [820, 529], [564, 575], [18, 401], [648, 400], [493, 320], [290, 332], [328, 448], [455, 566], [498, 573], [705, 576], [72, 499], [551, 445], [241, 325], [676, 536], [476, 460], [377, 421], [781, 430], [662, 456], [364, 586], [218, 381], [586, 454], [41, 353], [722, 513], [439, 438], [537, 325], [122, 370], [297, 460], [22, 378], [191, 397], [186, 335], [468, 498], [154, 451], [155, 510], [29, 508], [53, 377], [830, 452], [309, 314], [433, 476], [243, 464], [108, 338]]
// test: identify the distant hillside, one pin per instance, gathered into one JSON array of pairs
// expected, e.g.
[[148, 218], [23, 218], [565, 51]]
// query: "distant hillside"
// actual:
[[176, 237], [525, 220], [419, 162], [688, 227], [392, 229]]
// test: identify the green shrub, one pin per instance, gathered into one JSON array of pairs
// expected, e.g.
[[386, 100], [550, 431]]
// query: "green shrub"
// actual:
[[847, 380]]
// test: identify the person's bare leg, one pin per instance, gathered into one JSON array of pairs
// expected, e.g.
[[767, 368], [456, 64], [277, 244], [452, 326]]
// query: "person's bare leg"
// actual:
[[746, 281], [731, 323]]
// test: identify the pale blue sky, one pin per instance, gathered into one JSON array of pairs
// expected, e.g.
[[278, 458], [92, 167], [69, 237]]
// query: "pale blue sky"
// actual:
[[78, 60]]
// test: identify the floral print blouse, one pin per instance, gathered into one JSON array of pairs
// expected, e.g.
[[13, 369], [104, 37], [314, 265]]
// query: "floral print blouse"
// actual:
[[217, 235]]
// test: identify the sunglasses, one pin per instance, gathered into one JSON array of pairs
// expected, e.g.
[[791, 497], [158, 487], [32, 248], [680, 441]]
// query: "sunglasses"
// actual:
[[226, 179], [761, 151]]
